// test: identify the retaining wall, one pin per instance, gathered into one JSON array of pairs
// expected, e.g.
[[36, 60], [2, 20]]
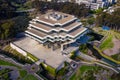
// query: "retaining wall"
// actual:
[[18, 49]]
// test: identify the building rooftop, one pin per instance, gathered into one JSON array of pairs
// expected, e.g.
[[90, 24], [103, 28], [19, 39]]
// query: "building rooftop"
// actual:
[[41, 26], [36, 32], [78, 31], [43, 35], [55, 26], [49, 28], [55, 17]]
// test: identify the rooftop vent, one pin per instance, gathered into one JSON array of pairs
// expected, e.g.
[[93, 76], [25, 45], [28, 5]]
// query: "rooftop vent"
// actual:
[[54, 16]]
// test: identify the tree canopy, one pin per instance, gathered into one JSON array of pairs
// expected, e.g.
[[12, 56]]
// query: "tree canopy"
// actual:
[[111, 20], [11, 22], [6, 10], [9, 28], [66, 7]]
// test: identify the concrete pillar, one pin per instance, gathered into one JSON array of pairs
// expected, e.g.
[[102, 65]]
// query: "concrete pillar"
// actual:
[[53, 48]]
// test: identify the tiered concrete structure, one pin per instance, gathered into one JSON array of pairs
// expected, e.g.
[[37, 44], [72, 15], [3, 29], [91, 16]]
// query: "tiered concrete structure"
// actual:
[[55, 27], [49, 36]]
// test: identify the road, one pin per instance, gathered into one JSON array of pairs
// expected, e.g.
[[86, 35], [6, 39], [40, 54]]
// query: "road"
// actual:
[[28, 10]]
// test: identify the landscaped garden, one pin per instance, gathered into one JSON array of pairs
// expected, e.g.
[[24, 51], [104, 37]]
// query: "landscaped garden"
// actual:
[[30, 77], [87, 72], [4, 74], [110, 45], [5, 63], [23, 73], [29, 58], [107, 43], [109, 35], [8, 51]]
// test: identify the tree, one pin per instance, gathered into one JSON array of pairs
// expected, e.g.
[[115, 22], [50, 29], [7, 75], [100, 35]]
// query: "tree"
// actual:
[[6, 10], [6, 29], [66, 7], [91, 20], [88, 75], [39, 5], [110, 20]]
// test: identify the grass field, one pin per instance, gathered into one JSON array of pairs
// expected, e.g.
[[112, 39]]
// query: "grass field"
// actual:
[[5, 63], [23, 73], [30, 77], [79, 74], [110, 35], [107, 43]]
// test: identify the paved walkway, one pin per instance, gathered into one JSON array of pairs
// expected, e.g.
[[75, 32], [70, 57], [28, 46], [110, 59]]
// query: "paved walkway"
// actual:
[[14, 73], [96, 61], [5, 58], [31, 69]]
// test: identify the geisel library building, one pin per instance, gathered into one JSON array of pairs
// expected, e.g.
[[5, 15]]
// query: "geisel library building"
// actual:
[[55, 31]]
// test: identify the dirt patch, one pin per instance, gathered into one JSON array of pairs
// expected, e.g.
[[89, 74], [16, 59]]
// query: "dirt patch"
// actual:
[[115, 49]]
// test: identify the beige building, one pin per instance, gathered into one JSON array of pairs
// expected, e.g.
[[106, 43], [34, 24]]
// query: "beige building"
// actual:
[[50, 36], [55, 27]]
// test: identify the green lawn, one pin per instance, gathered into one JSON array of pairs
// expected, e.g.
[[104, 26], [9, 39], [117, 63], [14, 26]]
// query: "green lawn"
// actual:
[[2, 62], [84, 68], [78, 75], [30, 77], [107, 43], [110, 35], [32, 57], [23, 73], [73, 77]]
